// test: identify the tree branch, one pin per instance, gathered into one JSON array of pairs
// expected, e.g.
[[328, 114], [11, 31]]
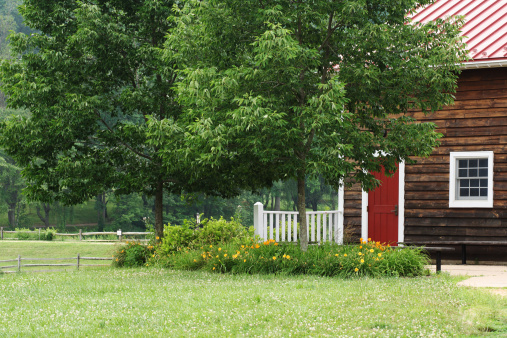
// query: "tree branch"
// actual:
[[121, 142]]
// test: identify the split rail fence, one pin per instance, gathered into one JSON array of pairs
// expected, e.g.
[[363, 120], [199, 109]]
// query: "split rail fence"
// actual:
[[121, 235], [78, 263], [322, 226]]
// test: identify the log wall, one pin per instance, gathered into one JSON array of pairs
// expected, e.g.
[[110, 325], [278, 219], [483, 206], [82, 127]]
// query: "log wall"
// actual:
[[476, 122]]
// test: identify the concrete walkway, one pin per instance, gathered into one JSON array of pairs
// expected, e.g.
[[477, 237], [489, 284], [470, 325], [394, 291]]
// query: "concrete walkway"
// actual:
[[487, 276]]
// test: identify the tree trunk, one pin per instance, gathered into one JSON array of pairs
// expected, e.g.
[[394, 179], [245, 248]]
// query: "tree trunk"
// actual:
[[277, 203], [45, 218], [303, 229], [159, 210], [11, 214], [315, 205]]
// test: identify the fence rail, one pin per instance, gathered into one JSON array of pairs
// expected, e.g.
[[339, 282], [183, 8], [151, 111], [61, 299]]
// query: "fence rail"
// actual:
[[78, 263], [322, 226], [81, 234]]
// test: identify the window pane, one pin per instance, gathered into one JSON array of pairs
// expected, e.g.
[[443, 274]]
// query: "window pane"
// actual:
[[464, 183], [462, 163], [474, 192], [463, 173], [473, 173], [473, 163], [483, 162], [474, 183], [484, 192], [484, 183], [463, 192], [483, 172]]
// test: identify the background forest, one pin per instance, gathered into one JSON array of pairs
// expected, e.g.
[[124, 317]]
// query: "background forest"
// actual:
[[109, 211]]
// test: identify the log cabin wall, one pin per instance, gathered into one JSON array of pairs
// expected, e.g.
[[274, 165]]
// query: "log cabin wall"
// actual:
[[476, 122]]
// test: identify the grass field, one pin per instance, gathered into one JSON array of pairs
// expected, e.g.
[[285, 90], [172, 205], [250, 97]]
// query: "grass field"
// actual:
[[165, 303], [41, 249]]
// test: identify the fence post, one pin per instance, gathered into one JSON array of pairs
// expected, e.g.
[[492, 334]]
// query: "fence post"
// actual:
[[258, 219], [119, 234], [80, 235], [2, 233], [39, 234], [19, 263], [78, 261]]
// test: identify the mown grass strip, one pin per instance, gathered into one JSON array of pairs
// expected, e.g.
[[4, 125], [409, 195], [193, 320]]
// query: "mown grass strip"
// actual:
[[159, 302]]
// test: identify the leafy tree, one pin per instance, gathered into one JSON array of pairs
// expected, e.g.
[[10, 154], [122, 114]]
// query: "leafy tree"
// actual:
[[312, 87], [103, 108], [11, 184]]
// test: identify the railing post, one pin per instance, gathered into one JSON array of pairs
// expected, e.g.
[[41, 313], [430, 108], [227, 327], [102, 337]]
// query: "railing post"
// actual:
[[78, 261], [80, 234], [19, 263], [258, 219], [39, 234]]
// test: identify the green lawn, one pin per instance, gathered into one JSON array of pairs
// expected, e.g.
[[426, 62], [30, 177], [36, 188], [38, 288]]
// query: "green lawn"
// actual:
[[165, 303], [42, 249]]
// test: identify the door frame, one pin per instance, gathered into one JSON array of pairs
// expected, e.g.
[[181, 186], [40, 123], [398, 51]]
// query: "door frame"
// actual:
[[401, 207]]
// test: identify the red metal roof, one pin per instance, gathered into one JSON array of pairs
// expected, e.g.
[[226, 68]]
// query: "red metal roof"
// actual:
[[485, 28]]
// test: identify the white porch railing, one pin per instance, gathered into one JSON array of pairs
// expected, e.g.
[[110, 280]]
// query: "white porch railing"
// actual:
[[322, 226]]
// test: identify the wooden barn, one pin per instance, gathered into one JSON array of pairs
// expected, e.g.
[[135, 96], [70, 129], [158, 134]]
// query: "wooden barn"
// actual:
[[459, 193]]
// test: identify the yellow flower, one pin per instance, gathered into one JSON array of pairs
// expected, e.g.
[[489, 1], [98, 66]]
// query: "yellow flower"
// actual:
[[288, 257], [369, 239], [219, 249], [274, 258], [361, 239], [153, 256], [371, 250], [360, 247], [336, 255], [379, 254], [362, 261], [225, 255], [359, 253], [213, 268], [117, 259], [158, 237], [242, 247], [257, 246], [344, 255], [276, 243], [211, 246], [244, 260], [195, 260], [356, 269]]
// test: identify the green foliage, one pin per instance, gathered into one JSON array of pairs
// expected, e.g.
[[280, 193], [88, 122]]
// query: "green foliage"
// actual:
[[27, 234], [304, 89], [210, 232], [132, 254], [177, 237], [367, 259]]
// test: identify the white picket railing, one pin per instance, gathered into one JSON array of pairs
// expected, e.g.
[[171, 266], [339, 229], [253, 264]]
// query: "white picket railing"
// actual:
[[322, 226]]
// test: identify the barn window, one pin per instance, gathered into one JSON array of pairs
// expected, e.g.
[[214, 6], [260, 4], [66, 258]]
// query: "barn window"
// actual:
[[471, 179]]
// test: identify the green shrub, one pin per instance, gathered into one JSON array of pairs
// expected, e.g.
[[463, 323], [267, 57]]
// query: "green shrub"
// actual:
[[212, 232], [366, 259], [25, 234], [132, 254]]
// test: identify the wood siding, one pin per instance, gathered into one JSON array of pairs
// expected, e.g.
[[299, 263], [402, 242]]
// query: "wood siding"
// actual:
[[476, 122]]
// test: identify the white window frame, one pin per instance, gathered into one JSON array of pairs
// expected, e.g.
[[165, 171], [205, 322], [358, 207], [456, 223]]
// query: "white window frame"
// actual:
[[454, 202]]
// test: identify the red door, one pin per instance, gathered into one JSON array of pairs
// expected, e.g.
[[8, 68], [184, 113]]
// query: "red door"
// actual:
[[383, 210]]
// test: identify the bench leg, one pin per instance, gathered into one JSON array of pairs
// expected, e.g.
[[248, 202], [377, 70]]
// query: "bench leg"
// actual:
[[439, 261], [463, 254]]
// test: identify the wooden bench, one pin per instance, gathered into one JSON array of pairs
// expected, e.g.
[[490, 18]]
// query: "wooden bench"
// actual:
[[437, 249], [463, 245]]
